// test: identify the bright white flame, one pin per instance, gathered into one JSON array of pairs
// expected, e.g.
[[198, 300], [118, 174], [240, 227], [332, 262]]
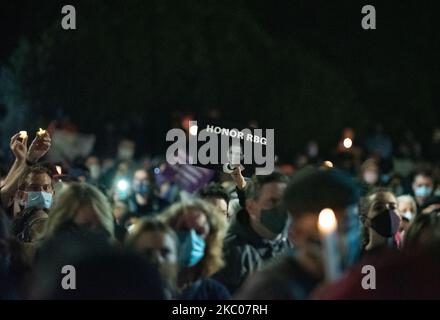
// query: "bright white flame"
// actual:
[[327, 221], [328, 164], [23, 134], [348, 143], [59, 169], [193, 130], [123, 185], [41, 132]]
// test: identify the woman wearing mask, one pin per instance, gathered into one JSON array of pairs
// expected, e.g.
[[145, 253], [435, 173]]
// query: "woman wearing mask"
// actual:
[[378, 214], [200, 229], [407, 209]]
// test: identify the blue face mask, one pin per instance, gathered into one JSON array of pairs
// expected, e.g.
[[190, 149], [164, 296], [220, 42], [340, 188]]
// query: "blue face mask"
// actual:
[[422, 191], [41, 200], [191, 249]]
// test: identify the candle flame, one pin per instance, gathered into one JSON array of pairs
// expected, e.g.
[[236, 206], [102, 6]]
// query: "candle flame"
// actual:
[[347, 143], [23, 134], [328, 164], [327, 221], [59, 169], [41, 132]]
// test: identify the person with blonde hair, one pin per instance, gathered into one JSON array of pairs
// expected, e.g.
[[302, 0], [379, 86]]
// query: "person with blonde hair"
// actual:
[[407, 209], [80, 206], [200, 229]]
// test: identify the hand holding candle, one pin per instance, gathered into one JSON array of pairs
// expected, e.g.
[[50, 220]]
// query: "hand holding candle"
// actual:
[[327, 225], [41, 132], [39, 146]]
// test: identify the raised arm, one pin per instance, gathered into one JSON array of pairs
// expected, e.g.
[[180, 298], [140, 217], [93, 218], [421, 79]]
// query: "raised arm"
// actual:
[[24, 157]]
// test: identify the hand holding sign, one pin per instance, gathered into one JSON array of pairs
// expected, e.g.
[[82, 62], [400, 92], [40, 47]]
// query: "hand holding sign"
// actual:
[[238, 178]]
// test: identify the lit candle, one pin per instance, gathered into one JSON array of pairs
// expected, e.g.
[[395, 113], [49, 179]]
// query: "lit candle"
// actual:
[[327, 225], [347, 143], [23, 134], [41, 132], [59, 169], [328, 164]]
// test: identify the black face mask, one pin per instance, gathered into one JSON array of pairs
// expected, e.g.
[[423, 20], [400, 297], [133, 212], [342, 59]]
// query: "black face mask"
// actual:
[[386, 223]]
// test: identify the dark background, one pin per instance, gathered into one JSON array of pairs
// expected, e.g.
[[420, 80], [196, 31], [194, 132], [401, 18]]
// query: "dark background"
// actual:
[[306, 68]]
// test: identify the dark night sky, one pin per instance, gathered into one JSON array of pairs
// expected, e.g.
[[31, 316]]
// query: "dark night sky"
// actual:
[[391, 71]]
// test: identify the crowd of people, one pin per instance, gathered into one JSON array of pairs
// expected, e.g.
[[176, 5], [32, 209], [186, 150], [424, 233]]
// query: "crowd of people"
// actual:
[[132, 233]]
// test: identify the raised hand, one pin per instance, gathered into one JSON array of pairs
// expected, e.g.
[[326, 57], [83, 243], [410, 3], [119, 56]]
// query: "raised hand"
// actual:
[[238, 178], [18, 146], [39, 146]]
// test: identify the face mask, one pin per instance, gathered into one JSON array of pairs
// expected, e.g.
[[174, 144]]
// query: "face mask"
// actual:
[[141, 188], [95, 171], [192, 248], [274, 219], [408, 215], [41, 200], [386, 223], [370, 177], [423, 191]]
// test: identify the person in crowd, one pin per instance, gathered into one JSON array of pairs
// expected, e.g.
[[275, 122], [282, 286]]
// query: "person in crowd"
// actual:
[[423, 185], [424, 232], [200, 229], [258, 231], [218, 196], [431, 205], [36, 190], [143, 200], [379, 143], [407, 209], [398, 275], [80, 206], [24, 158], [101, 271], [369, 175], [157, 241], [395, 184], [380, 220], [296, 275]]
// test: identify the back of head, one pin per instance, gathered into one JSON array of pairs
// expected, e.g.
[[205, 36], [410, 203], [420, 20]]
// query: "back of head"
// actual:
[[75, 197], [310, 190], [214, 190], [109, 275]]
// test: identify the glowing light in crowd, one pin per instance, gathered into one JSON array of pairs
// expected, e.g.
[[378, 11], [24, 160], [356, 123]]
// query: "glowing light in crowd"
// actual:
[[328, 164], [156, 170], [347, 143], [193, 130], [327, 221], [59, 169], [123, 185], [41, 132], [23, 134], [327, 225]]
